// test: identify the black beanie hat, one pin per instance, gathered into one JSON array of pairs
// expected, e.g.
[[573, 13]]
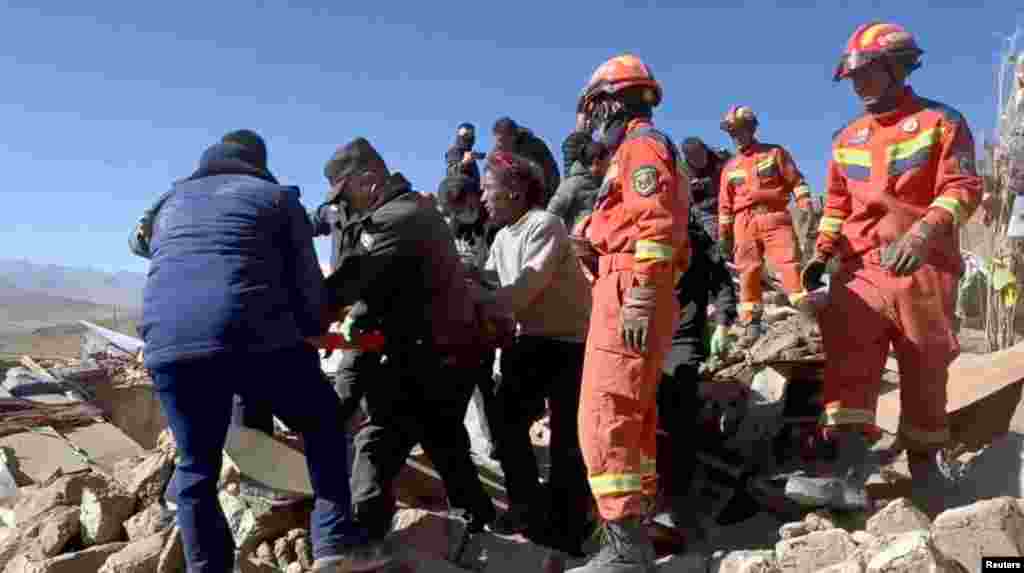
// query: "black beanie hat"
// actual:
[[252, 140]]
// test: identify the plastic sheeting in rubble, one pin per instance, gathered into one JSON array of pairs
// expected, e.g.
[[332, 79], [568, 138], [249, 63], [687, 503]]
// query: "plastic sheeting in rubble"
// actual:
[[978, 273]]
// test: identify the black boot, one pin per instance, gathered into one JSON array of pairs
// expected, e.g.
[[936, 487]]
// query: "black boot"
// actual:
[[842, 485], [625, 548]]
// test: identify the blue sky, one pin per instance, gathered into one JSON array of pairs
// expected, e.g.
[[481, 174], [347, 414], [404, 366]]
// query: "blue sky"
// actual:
[[103, 104]]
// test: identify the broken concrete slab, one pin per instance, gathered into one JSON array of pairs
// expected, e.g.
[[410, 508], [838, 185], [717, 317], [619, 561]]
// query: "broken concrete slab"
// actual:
[[151, 520], [253, 520], [814, 551], [44, 536], [102, 512], [90, 559], [142, 556], [104, 444], [848, 566], [899, 516], [65, 490], [982, 397], [44, 453], [986, 528], [757, 561], [145, 478], [268, 461], [908, 553]]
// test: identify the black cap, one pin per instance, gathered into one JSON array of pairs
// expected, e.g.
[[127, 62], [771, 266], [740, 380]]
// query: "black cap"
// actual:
[[252, 140], [356, 155]]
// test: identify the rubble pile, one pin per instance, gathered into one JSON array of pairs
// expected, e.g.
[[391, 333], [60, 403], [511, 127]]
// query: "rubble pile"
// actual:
[[84, 473], [791, 337], [897, 539], [94, 521]]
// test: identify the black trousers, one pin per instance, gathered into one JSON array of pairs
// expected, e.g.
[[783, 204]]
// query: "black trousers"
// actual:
[[411, 398], [532, 369], [678, 407]]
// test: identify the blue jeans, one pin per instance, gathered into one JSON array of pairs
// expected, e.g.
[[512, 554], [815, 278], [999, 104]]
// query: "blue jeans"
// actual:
[[197, 398]]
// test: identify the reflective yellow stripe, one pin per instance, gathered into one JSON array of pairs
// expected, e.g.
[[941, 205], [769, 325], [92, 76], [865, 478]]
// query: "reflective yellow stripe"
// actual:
[[749, 306], [852, 156], [736, 174], [801, 190], [765, 163], [653, 251], [797, 297], [905, 149], [840, 416], [949, 204], [610, 484], [725, 220], [916, 436], [830, 225]]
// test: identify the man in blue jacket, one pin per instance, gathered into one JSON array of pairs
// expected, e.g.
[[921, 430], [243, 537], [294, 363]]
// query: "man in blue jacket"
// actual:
[[234, 288], [254, 416]]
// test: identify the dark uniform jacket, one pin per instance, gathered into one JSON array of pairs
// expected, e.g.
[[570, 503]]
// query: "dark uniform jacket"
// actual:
[[705, 280], [399, 259]]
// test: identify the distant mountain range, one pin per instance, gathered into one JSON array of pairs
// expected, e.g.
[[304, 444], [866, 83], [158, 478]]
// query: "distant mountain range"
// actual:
[[122, 289], [34, 296]]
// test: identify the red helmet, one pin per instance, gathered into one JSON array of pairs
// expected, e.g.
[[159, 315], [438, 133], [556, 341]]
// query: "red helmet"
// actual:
[[878, 40], [617, 74], [736, 116]]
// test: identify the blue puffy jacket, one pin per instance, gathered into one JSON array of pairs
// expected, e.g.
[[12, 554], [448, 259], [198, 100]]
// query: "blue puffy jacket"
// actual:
[[233, 268]]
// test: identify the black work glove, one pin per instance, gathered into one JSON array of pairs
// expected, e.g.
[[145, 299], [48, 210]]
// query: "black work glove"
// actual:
[[725, 245], [909, 252], [572, 147], [637, 310], [810, 278]]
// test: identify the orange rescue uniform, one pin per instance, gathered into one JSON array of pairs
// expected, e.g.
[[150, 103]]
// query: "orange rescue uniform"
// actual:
[[752, 205], [888, 171], [639, 231]]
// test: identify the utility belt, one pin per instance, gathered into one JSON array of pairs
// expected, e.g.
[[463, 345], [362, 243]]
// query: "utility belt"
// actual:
[[763, 209], [615, 262], [608, 264]]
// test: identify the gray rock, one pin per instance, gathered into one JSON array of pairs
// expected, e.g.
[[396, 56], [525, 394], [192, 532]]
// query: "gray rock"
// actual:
[[899, 516], [103, 511], [814, 551]]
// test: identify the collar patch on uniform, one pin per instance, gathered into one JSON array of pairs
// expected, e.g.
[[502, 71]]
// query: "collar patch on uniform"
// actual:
[[367, 240], [861, 137], [911, 125], [645, 180]]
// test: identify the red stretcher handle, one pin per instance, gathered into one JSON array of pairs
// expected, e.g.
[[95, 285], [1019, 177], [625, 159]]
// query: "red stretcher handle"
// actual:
[[370, 342]]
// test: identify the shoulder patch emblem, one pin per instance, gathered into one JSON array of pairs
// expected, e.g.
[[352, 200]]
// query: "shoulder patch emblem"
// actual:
[[366, 239], [911, 125], [645, 180]]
